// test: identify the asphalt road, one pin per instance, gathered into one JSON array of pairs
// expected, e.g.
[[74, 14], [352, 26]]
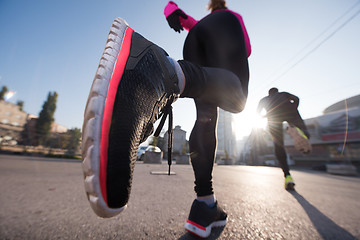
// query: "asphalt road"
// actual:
[[44, 199]]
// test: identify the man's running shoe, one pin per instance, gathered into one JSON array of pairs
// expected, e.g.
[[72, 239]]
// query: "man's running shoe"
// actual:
[[132, 85], [289, 183], [301, 141], [203, 218]]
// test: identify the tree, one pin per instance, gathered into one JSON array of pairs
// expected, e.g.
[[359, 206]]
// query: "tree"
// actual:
[[74, 140], [46, 118], [153, 141], [185, 148], [161, 144], [3, 92], [20, 104]]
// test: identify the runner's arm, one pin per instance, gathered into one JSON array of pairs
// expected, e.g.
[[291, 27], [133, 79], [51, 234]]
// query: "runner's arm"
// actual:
[[177, 18], [293, 99]]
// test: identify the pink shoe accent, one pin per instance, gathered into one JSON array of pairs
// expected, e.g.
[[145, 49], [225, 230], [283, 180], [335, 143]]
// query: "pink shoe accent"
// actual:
[[109, 105]]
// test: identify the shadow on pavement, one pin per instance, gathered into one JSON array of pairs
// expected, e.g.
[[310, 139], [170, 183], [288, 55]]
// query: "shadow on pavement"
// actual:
[[215, 234], [324, 225]]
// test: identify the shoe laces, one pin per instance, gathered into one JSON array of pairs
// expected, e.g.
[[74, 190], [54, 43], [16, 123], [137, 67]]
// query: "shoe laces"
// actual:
[[165, 112]]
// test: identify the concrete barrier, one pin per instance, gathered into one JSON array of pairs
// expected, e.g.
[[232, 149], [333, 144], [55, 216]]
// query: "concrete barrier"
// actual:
[[341, 169], [153, 157]]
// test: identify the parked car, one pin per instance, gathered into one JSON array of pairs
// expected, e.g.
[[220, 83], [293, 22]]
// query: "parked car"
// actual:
[[152, 149]]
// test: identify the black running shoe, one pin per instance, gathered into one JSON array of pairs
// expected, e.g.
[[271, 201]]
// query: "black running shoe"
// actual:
[[132, 85], [203, 218]]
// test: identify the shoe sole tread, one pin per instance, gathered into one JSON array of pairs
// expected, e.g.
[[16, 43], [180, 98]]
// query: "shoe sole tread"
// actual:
[[93, 119]]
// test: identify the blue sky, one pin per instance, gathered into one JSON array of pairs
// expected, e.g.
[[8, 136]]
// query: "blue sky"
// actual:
[[56, 46]]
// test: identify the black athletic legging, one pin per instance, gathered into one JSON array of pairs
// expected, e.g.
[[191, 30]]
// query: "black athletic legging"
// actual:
[[217, 44], [276, 130]]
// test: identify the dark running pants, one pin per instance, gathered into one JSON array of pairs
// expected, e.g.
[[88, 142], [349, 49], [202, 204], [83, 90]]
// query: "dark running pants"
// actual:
[[217, 76], [276, 131]]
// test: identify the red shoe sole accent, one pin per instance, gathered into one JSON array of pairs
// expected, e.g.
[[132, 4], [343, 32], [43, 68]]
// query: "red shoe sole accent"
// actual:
[[109, 105], [196, 225]]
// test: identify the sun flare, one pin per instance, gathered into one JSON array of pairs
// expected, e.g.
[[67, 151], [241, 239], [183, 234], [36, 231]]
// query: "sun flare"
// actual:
[[247, 120]]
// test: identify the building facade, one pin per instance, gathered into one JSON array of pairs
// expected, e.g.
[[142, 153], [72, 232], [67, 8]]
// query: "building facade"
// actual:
[[226, 138], [17, 126], [179, 141], [12, 122]]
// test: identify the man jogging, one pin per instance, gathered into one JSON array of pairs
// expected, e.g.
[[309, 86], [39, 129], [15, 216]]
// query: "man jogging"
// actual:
[[280, 107]]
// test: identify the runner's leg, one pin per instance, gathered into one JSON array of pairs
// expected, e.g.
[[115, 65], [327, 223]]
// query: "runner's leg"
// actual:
[[297, 121], [226, 89], [202, 144], [276, 131]]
